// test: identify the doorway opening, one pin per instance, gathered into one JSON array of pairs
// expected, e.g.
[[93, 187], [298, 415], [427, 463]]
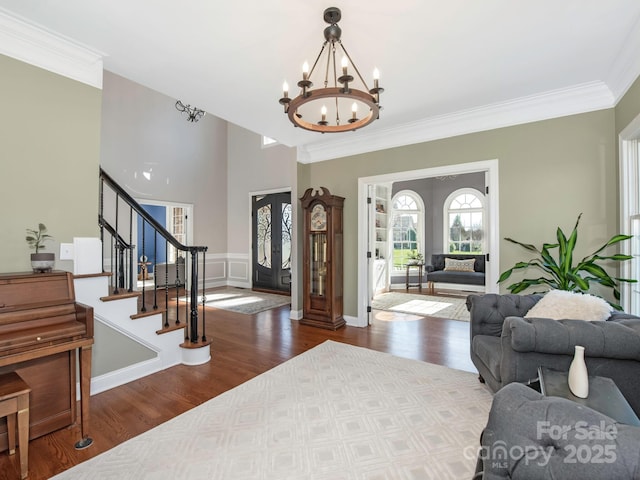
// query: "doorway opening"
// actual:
[[383, 267], [160, 262]]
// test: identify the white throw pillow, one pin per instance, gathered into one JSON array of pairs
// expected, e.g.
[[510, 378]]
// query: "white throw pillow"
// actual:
[[453, 265], [560, 304]]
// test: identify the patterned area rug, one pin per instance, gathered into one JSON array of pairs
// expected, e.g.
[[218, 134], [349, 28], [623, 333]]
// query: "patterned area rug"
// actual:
[[242, 300], [423, 305], [335, 411]]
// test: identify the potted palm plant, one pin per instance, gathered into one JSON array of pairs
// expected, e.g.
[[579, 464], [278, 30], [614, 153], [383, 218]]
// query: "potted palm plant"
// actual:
[[561, 273], [40, 262]]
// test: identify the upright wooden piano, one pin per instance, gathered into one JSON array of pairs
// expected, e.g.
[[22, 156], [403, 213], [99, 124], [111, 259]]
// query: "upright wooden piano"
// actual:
[[42, 330]]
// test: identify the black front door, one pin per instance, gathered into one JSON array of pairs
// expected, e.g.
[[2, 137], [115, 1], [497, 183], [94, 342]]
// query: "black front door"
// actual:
[[271, 244]]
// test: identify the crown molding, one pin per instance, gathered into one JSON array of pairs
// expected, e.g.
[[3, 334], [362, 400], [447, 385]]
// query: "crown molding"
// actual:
[[582, 98], [626, 67], [42, 48]]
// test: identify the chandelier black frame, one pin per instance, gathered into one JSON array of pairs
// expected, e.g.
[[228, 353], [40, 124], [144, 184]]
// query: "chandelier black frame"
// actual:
[[193, 114], [346, 90]]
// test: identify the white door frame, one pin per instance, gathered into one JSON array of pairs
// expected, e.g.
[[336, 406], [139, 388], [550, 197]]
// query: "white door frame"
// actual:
[[293, 227], [492, 210], [629, 176], [189, 231]]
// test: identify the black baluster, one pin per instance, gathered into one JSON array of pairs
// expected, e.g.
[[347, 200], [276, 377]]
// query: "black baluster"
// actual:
[[143, 266], [194, 296], [131, 252], [116, 273], [155, 271], [204, 299]]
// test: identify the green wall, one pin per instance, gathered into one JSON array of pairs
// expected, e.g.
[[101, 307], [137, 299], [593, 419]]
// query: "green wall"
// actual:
[[550, 171], [50, 152]]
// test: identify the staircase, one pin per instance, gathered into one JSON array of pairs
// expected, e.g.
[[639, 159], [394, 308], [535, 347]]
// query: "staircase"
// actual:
[[106, 279]]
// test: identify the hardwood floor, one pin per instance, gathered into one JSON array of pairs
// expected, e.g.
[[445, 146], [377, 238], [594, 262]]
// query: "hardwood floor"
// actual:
[[243, 346]]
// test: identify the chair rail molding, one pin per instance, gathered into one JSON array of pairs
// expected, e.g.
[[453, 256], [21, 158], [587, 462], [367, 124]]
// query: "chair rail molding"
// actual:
[[37, 46]]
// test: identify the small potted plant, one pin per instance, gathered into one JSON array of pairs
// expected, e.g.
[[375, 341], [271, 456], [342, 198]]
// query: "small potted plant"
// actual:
[[40, 262], [414, 258]]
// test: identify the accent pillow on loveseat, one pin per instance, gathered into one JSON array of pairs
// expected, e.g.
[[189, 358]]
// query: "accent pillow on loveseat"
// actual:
[[455, 265]]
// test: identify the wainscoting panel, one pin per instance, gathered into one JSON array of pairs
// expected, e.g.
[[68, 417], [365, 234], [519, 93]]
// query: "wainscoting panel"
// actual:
[[238, 272], [216, 272]]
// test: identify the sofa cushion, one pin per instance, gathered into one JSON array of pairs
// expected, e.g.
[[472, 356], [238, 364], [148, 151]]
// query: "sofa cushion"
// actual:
[[469, 278], [560, 304], [529, 436], [455, 265], [600, 339], [488, 349]]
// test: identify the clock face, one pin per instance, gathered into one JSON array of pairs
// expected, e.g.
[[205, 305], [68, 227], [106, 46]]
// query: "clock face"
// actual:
[[318, 218]]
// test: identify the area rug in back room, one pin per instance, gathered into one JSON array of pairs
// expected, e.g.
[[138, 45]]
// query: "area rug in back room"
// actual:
[[423, 305]]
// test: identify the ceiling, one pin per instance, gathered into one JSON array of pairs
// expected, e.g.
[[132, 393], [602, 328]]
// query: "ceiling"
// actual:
[[447, 67]]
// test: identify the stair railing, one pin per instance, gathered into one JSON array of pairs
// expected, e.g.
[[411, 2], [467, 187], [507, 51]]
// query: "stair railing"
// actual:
[[120, 254]]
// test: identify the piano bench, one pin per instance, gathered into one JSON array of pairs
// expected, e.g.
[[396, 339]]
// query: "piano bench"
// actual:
[[14, 402]]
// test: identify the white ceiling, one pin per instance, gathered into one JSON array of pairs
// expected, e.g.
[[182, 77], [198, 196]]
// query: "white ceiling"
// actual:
[[447, 67]]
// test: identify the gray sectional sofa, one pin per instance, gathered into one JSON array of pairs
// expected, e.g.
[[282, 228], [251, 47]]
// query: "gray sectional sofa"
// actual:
[[506, 348], [530, 436]]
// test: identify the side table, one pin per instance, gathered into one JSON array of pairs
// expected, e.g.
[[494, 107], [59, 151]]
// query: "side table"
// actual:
[[604, 395], [419, 284]]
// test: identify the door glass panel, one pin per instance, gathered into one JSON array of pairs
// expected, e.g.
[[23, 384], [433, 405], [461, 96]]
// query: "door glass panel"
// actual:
[[264, 236], [178, 230], [286, 235]]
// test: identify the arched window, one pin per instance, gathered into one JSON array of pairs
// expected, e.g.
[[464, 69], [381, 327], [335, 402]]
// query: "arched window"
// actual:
[[464, 222], [407, 226]]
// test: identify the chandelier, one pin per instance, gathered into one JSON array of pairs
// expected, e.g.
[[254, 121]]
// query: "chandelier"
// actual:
[[193, 114], [343, 103]]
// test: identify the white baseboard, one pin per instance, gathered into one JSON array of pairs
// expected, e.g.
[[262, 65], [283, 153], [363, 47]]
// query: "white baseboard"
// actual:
[[400, 288], [124, 375], [295, 315], [233, 283], [355, 321]]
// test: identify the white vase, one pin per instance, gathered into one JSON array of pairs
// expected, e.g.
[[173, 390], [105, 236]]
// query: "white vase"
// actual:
[[578, 378]]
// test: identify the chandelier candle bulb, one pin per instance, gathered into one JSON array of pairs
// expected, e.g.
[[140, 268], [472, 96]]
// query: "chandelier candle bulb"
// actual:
[[305, 71], [345, 64], [285, 90], [323, 111]]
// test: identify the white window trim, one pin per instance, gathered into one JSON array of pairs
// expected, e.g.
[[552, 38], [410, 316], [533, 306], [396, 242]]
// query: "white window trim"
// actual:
[[421, 213], [629, 164], [445, 214]]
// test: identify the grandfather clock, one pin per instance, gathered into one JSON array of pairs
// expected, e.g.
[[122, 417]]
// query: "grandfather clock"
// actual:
[[322, 264]]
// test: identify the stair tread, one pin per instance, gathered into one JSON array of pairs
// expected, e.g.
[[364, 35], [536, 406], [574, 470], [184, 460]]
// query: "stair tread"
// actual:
[[148, 313], [171, 328], [200, 344], [119, 296]]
